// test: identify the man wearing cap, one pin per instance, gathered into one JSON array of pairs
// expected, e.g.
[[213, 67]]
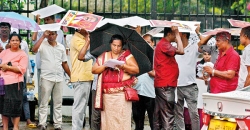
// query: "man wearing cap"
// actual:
[[187, 88], [224, 75], [244, 74], [53, 62], [81, 78], [166, 75]]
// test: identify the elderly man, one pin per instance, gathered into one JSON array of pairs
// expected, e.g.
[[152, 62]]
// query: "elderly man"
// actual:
[[224, 75]]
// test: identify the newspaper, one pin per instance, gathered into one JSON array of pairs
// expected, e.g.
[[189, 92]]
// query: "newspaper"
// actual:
[[113, 62]]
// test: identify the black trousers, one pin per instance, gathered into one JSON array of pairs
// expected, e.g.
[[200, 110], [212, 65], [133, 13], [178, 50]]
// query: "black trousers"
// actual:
[[164, 115], [96, 114], [139, 108]]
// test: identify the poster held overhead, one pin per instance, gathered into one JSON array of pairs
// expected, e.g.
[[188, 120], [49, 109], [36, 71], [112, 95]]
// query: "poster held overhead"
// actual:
[[238, 23], [163, 23], [48, 11], [77, 19]]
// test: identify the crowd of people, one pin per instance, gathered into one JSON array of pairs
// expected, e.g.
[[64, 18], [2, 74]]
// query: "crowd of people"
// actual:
[[162, 91]]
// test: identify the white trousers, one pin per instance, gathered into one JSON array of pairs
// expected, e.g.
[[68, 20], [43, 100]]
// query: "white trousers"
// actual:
[[54, 89]]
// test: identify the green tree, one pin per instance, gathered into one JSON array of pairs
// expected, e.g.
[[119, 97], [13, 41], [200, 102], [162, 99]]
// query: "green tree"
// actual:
[[239, 7], [12, 4]]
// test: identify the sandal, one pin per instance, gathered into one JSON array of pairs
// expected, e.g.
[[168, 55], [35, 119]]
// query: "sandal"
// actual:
[[32, 125]]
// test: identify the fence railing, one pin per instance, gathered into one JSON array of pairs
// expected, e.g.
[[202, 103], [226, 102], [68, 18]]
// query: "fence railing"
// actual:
[[211, 13]]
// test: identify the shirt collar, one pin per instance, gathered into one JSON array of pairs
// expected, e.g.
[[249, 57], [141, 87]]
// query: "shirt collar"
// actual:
[[3, 42], [228, 51], [248, 46], [165, 40]]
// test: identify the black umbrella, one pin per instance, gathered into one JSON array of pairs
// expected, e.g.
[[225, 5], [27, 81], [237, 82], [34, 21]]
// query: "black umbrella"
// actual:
[[141, 50]]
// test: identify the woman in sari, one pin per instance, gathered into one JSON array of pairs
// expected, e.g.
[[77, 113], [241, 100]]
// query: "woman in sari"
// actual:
[[110, 95]]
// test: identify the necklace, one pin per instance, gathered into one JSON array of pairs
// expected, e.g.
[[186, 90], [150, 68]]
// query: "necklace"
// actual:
[[117, 56]]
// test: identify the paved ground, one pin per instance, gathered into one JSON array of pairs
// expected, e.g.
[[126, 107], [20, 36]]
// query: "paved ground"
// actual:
[[68, 126]]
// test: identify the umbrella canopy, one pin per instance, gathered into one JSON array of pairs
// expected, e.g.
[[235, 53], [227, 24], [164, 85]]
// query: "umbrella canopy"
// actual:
[[18, 21], [140, 49]]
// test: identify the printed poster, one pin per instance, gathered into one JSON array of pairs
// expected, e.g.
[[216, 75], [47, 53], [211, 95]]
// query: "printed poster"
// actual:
[[162, 23], [238, 23], [232, 31], [77, 19]]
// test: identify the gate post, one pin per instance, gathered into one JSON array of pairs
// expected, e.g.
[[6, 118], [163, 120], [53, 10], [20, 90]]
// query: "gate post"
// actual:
[[153, 9]]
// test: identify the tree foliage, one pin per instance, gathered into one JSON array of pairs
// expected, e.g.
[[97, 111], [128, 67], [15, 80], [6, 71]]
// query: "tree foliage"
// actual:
[[12, 4]]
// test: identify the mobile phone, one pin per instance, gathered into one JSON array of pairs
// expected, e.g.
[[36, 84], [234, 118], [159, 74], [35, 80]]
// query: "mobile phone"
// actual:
[[9, 64]]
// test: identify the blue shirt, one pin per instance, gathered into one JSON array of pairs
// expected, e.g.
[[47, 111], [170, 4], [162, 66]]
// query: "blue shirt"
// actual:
[[88, 57], [145, 86]]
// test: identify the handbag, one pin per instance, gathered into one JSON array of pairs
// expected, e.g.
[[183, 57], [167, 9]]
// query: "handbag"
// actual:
[[2, 90], [131, 94]]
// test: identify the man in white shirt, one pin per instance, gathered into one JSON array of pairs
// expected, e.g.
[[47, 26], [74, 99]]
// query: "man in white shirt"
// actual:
[[36, 36], [244, 73], [53, 62], [5, 32], [186, 88], [4, 36]]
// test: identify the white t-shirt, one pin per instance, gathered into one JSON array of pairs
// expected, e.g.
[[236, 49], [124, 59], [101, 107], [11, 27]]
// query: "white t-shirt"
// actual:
[[187, 63], [3, 44], [244, 62]]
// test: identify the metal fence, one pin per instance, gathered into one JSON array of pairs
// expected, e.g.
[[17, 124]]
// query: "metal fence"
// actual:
[[211, 13]]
